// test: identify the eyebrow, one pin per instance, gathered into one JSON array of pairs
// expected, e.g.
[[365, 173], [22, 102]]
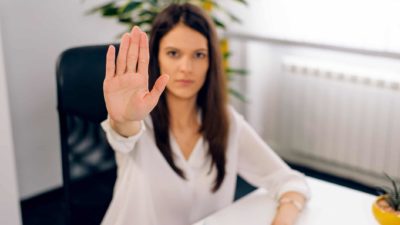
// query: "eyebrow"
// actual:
[[200, 49]]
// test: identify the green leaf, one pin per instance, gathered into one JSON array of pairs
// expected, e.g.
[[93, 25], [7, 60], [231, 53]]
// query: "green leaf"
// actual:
[[126, 20], [142, 22], [129, 7], [112, 11], [227, 55], [384, 190], [392, 202], [147, 13], [233, 17], [394, 185], [244, 2], [209, 1], [392, 195], [218, 23], [225, 11], [238, 95], [389, 201], [101, 8], [237, 71]]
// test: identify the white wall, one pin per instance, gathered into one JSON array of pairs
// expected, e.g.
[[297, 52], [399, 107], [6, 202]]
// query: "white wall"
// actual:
[[9, 207], [34, 34], [366, 24]]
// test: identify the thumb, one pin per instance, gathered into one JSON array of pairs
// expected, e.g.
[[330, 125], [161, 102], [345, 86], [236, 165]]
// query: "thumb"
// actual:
[[158, 89]]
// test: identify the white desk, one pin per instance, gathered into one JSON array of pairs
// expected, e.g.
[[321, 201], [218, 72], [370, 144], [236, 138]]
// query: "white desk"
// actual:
[[330, 204]]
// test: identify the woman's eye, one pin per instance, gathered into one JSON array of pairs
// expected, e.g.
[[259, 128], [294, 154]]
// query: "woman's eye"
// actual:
[[172, 53], [200, 55]]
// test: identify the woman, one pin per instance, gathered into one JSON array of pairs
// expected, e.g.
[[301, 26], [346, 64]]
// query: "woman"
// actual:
[[179, 151]]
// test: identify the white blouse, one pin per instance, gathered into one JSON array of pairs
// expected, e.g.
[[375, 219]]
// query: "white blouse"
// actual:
[[148, 191]]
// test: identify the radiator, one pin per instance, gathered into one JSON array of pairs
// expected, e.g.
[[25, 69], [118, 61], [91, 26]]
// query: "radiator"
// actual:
[[340, 116]]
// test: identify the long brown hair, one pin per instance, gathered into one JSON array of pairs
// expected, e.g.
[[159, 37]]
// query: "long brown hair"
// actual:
[[211, 98]]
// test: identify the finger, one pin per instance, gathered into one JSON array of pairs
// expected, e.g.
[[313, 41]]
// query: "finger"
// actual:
[[143, 64], [158, 89], [123, 50], [110, 62], [133, 50]]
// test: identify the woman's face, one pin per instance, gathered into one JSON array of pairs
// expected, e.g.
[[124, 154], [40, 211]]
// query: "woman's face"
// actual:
[[183, 55]]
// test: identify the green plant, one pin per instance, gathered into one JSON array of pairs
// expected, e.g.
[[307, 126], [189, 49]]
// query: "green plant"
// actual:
[[142, 13], [391, 194]]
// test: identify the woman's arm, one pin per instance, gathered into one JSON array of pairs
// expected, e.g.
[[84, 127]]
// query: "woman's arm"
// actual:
[[262, 167]]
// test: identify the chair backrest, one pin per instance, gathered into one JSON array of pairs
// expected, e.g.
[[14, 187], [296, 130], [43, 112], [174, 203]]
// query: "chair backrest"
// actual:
[[87, 160]]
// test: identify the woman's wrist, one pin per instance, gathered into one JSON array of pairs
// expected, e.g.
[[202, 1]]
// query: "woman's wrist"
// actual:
[[292, 198], [126, 129], [289, 206], [287, 200]]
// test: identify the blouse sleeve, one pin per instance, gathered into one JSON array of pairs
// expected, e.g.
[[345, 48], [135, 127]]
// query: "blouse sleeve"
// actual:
[[259, 165], [119, 143]]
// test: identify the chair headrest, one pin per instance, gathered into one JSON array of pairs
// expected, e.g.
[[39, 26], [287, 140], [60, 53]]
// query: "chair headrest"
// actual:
[[80, 73]]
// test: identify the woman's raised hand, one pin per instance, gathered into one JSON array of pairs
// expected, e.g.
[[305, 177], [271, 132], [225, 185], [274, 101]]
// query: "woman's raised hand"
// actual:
[[125, 86]]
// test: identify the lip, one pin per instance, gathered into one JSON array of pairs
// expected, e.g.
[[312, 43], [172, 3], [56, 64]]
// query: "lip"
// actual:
[[184, 81]]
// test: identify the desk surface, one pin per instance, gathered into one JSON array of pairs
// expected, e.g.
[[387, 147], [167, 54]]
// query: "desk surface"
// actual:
[[329, 204]]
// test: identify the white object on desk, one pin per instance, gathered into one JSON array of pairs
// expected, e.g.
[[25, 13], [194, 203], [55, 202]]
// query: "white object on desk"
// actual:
[[330, 204]]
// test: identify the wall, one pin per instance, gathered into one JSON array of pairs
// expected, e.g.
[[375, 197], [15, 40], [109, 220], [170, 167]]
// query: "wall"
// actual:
[[34, 34], [9, 207], [366, 24]]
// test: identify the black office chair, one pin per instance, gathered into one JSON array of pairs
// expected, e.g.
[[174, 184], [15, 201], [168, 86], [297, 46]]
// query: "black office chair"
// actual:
[[88, 162]]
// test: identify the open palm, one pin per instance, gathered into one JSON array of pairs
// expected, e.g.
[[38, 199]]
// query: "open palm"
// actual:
[[125, 86]]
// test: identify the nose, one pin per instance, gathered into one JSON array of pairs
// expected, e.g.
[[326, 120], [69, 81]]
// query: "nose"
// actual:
[[186, 65]]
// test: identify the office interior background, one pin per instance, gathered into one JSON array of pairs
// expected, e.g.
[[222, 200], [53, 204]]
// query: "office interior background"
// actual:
[[323, 85]]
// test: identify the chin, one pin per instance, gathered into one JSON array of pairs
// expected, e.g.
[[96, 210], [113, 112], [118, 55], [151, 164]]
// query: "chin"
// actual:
[[182, 95]]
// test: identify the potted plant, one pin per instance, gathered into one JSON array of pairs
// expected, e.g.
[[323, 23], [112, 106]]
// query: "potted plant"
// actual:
[[386, 207]]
